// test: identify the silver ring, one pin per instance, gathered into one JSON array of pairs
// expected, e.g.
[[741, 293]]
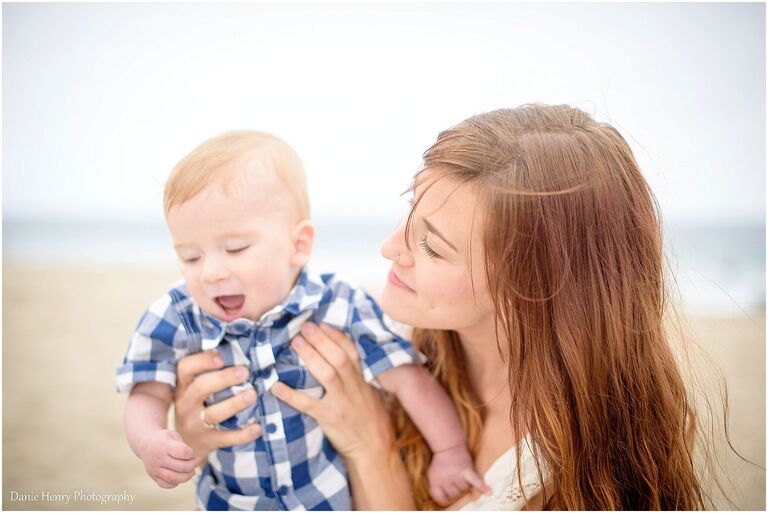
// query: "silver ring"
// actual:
[[205, 422]]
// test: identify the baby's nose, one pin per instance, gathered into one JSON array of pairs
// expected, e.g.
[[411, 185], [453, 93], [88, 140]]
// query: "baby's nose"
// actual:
[[213, 270]]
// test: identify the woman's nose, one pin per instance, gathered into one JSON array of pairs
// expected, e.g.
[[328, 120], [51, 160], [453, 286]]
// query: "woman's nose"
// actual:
[[394, 248]]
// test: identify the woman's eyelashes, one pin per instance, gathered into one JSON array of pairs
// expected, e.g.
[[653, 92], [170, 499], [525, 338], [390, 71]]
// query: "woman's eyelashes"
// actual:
[[429, 251]]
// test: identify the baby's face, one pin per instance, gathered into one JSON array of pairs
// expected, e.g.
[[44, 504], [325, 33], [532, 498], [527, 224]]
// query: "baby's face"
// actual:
[[235, 246]]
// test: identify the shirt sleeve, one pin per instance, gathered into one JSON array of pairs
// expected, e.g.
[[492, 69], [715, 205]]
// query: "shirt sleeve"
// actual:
[[380, 348], [157, 344]]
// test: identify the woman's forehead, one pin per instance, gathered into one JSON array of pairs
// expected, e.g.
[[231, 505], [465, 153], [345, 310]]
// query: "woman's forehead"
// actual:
[[443, 192], [451, 205]]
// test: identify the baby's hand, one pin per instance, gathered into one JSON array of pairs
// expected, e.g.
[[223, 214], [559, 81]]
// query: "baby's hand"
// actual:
[[451, 473], [167, 459]]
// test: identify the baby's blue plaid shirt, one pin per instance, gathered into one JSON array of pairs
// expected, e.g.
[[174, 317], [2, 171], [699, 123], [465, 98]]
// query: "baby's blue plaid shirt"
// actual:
[[292, 466]]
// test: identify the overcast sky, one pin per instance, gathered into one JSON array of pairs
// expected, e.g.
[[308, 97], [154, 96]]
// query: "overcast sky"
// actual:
[[101, 100]]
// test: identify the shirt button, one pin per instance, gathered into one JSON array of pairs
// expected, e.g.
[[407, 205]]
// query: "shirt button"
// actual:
[[261, 336], [265, 373], [283, 490], [271, 428]]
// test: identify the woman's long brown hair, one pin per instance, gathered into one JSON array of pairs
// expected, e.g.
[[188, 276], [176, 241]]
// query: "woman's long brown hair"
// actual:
[[574, 264]]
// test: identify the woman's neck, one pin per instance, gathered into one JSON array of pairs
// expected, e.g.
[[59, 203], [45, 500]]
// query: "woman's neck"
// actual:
[[486, 367]]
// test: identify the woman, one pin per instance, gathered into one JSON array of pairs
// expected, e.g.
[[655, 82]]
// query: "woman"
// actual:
[[531, 268]]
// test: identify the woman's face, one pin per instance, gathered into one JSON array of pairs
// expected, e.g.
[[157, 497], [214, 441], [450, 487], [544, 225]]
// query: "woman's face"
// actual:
[[431, 285]]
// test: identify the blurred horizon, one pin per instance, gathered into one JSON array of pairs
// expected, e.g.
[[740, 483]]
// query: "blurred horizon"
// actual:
[[719, 268]]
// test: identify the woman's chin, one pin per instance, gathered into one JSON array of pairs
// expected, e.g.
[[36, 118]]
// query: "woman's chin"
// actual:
[[394, 305]]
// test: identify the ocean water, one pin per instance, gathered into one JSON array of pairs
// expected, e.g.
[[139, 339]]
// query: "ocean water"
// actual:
[[719, 269]]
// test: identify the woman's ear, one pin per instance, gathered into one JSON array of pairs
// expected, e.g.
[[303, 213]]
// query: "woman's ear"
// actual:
[[303, 237]]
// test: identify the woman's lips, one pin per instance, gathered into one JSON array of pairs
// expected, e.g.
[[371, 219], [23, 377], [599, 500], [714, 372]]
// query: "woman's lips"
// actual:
[[394, 280]]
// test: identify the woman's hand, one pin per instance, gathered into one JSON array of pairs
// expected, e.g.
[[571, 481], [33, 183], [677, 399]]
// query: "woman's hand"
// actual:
[[351, 413], [191, 413], [353, 417]]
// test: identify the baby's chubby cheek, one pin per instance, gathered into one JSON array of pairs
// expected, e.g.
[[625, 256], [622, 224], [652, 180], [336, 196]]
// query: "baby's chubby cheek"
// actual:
[[274, 283], [195, 290]]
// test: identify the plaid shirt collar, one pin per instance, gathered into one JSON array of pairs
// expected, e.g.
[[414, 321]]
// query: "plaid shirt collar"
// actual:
[[305, 295]]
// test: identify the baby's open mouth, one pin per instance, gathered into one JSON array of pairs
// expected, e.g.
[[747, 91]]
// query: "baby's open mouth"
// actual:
[[231, 304]]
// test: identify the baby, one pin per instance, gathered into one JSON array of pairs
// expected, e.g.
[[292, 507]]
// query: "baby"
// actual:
[[237, 209]]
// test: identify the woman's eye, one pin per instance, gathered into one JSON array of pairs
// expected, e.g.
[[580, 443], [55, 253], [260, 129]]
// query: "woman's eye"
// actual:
[[237, 250], [429, 251], [190, 260]]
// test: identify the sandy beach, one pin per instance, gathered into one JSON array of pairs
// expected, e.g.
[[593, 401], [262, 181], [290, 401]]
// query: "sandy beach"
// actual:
[[65, 330]]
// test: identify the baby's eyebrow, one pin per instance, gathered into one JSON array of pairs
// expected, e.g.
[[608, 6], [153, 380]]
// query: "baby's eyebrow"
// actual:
[[434, 230], [183, 245], [227, 235], [239, 235]]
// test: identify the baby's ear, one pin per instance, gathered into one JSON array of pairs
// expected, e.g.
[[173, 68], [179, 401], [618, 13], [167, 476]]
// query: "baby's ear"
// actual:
[[303, 237]]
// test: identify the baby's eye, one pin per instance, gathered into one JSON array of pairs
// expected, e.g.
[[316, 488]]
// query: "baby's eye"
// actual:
[[190, 260], [238, 250]]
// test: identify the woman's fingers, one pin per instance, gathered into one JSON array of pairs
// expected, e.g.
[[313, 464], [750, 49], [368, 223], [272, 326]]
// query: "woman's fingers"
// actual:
[[326, 343], [206, 384], [217, 439], [221, 411], [317, 365], [297, 400], [192, 365], [345, 343], [330, 350]]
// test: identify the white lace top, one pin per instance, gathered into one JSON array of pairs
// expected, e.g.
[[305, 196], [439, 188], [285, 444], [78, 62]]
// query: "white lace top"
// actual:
[[501, 476]]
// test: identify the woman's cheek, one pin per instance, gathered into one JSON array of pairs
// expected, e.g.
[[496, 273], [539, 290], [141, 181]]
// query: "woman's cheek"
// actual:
[[452, 293]]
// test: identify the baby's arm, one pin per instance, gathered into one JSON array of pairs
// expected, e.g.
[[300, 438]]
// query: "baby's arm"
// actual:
[[451, 471], [167, 459]]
